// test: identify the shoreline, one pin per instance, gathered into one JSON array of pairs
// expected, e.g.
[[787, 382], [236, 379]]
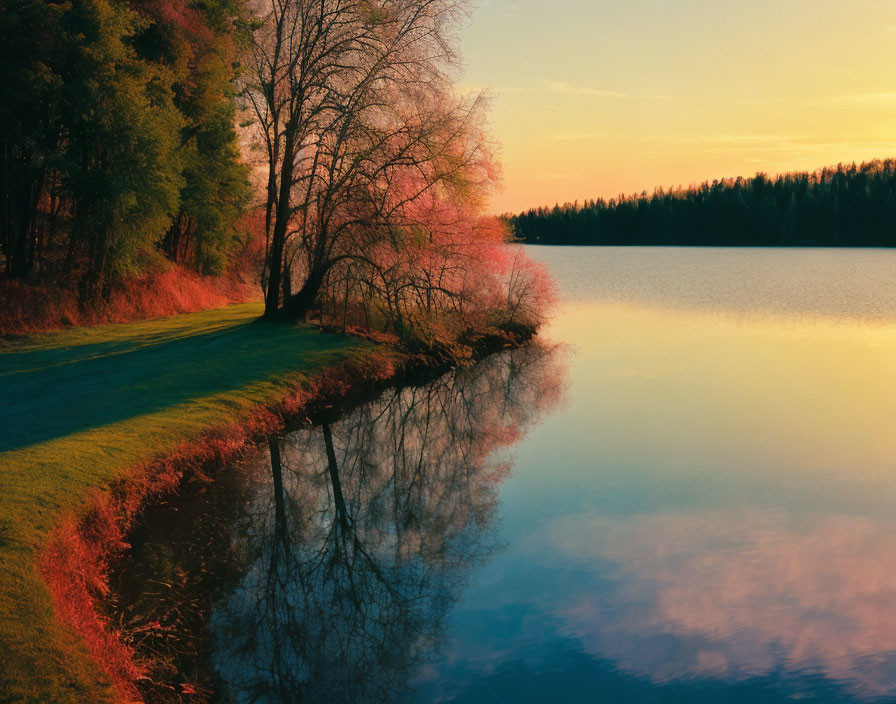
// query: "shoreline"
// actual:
[[84, 409], [76, 559]]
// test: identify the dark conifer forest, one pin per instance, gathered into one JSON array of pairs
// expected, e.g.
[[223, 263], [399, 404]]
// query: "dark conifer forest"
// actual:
[[117, 139], [843, 206]]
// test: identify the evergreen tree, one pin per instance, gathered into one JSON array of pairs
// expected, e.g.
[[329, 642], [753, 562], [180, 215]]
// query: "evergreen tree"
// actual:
[[117, 139]]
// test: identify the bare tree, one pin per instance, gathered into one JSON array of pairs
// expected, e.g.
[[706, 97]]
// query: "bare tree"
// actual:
[[361, 123]]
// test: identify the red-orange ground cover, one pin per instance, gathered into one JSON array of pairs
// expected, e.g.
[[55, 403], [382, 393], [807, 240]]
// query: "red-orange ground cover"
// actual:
[[76, 561], [33, 307]]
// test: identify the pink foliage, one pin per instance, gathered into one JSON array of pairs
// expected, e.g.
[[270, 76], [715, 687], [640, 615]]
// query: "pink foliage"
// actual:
[[440, 264]]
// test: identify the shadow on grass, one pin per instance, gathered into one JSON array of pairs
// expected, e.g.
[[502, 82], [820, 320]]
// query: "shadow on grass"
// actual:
[[47, 394]]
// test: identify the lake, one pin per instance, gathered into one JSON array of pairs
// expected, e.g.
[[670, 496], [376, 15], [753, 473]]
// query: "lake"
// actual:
[[683, 493]]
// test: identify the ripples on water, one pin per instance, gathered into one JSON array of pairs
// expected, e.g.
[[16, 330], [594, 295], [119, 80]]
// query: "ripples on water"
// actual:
[[851, 285], [695, 505]]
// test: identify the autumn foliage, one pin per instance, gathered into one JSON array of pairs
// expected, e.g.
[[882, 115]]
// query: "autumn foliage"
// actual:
[[133, 132], [378, 169]]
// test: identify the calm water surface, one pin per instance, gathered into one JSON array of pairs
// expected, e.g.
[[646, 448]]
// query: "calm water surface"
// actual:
[[691, 499], [711, 515]]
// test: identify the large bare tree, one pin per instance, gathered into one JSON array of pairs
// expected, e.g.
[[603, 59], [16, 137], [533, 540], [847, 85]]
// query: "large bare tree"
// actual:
[[360, 121]]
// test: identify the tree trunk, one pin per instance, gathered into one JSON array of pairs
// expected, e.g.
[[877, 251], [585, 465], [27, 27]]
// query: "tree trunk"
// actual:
[[338, 496], [301, 302], [278, 239], [21, 264], [279, 501]]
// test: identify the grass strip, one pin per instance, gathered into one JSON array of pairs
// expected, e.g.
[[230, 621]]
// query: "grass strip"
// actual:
[[78, 409]]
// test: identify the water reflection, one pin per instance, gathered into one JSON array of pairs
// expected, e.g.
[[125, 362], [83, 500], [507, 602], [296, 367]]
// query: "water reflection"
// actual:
[[737, 595], [366, 530], [710, 519], [741, 284]]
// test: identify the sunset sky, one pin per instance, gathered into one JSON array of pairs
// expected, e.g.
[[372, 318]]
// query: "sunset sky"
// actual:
[[598, 97]]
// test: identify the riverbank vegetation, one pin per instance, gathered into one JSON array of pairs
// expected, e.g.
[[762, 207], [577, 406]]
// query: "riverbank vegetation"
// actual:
[[88, 407], [313, 154], [160, 157], [843, 206], [119, 155]]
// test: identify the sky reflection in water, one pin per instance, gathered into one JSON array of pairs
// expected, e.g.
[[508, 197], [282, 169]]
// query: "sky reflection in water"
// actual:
[[710, 517], [707, 517]]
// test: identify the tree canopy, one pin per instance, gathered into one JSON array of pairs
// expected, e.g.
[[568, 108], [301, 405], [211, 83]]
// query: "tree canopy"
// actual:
[[377, 166], [140, 130], [117, 142]]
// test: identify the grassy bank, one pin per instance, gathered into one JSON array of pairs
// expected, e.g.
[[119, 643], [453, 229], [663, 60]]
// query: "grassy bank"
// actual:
[[78, 410]]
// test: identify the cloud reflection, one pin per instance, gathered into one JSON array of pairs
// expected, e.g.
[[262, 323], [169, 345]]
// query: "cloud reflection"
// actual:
[[745, 595]]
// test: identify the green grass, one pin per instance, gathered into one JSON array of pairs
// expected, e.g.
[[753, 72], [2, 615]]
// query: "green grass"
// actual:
[[77, 409]]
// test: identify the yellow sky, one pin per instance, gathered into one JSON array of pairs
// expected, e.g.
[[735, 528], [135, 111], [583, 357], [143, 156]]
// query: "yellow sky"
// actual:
[[598, 97]]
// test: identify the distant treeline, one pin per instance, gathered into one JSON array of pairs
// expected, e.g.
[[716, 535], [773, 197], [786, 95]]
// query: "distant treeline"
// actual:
[[842, 206], [117, 139]]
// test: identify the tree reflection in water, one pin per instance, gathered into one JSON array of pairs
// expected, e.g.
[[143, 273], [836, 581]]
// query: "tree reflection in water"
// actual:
[[364, 537]]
